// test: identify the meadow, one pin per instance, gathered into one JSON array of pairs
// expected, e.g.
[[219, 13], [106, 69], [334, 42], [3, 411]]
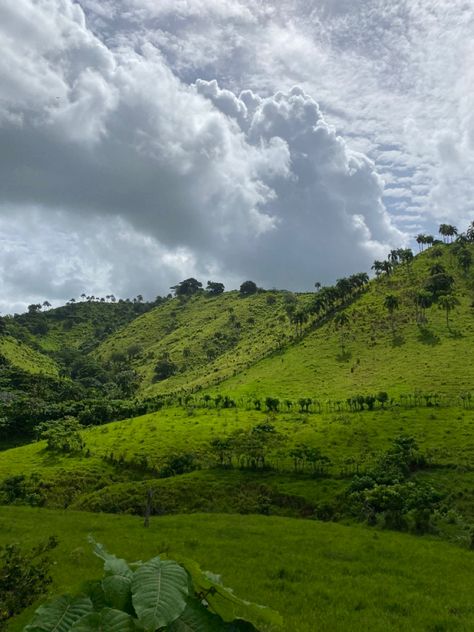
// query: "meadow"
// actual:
[[319, 576]]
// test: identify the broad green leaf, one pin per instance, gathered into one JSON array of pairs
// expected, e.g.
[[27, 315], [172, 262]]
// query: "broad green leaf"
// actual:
[[112, 565], [94, 590], [108, 620], [224, 602], [159, 591], [197, 618], [118, 592], [60, 615]]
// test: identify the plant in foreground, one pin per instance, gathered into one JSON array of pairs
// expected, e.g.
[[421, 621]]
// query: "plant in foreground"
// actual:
[[160, 594], [23, 577]]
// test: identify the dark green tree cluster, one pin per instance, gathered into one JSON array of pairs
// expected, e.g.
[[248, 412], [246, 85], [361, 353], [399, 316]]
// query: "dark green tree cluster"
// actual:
[[388, 495]]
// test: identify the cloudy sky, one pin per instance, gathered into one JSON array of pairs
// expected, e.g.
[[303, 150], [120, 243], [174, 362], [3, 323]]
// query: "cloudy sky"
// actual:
[[146, 141]]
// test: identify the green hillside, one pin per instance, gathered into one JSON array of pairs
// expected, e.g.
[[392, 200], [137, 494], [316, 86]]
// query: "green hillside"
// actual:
[[431, 357], [207, 338], [350, 405], [319, 576], [22, 356]]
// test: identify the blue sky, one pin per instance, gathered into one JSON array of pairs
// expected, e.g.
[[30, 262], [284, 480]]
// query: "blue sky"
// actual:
[[287, 142]]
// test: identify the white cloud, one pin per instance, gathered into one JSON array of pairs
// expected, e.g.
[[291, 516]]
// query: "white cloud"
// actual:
[[179, 121]]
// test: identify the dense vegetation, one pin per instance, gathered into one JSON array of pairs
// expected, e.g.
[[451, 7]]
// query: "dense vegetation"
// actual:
[[351, 404]]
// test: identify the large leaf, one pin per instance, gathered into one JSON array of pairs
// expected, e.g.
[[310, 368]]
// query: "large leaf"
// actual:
[[196, 618], [159, 592], [224, 602], [60, 615], [108, 620], [113, 565], [118, 592]]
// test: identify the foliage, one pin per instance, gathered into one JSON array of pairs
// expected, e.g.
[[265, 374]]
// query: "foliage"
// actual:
[[63, 435], [158, 594], [188, 287], [247, 288], [23, 577]]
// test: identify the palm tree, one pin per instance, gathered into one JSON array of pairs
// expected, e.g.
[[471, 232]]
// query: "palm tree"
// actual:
[[391, 303], [437, 268], [317, 285], [421, 241], [470, 232], [465, 259], [447, 302], [377, 268], [387, 267], [341, 321], [448, 232], [423, 300]]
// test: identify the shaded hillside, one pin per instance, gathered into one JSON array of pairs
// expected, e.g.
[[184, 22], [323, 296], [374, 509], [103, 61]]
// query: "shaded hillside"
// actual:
[[79, 325]]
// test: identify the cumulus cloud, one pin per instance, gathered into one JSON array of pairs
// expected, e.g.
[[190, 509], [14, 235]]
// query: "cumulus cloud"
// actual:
[[120, 175]]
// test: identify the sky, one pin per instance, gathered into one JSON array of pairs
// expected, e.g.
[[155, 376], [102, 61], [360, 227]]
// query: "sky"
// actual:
[[143, 142]]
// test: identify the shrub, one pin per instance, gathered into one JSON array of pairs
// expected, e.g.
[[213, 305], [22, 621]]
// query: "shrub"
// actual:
[[23, 577]]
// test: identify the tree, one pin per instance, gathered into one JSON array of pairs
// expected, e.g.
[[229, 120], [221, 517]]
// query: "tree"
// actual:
[[465, 259], [391, 303], [423, 300], [164, 368], [214, 288], [247, 288], [341, 322], [299, 318], [470, 232], [440, 283], [421, 241], [188, 287], [447, 302], [447, 231], [63, 435]]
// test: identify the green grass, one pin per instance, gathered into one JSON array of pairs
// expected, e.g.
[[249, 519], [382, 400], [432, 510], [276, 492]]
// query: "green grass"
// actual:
[[24, 357], [445, 435], [432, 358], [320, 576], [209, 339]]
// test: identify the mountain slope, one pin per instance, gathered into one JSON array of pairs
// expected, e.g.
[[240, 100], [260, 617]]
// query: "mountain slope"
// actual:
[[429, 357], [206, 338]]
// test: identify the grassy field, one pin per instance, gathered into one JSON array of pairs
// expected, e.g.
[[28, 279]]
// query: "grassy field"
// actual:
[[446, 436], [320, 576], [24, 357], [350, 440]]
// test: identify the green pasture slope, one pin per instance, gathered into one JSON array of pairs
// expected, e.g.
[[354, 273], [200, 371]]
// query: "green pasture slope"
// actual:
[[21, 356], [321, 577], [208, 338], [248, 346], [432, 358], [88, 480]]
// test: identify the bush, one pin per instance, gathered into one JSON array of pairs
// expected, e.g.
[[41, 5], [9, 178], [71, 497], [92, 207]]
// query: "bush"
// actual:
[[23, 577]]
